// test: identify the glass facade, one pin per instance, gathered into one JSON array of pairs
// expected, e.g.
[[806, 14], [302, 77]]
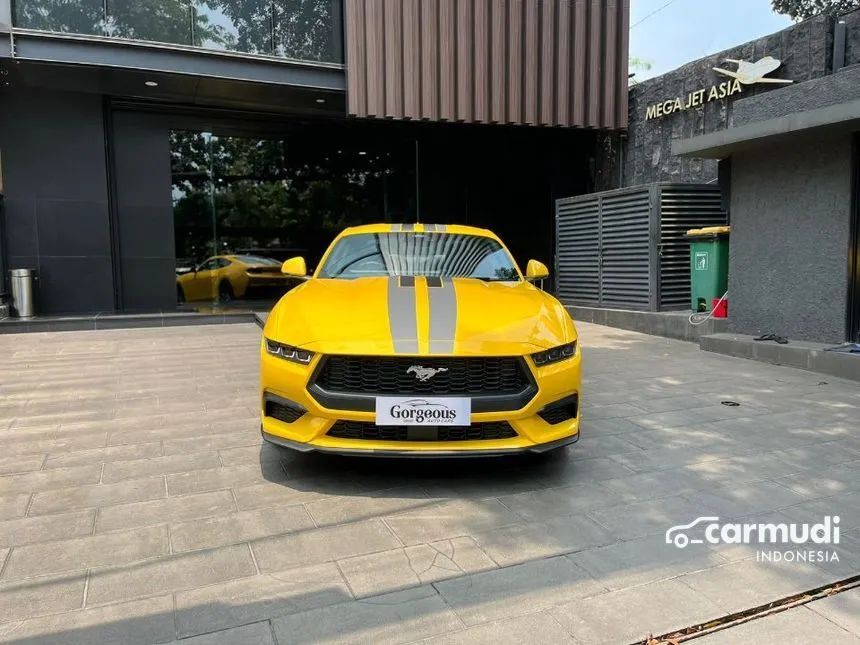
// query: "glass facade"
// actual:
[[244, 205], [308, 30]]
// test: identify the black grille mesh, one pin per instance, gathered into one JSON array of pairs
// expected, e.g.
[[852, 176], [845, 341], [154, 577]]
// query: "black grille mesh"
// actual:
[[389, 375], [282, 412], [369, 431], [560, 413]]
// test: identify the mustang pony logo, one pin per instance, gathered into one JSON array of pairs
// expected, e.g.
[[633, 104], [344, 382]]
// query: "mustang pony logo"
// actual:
[[425, 373]]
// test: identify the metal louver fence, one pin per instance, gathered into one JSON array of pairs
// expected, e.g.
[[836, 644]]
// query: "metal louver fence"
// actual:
[[626, 249]]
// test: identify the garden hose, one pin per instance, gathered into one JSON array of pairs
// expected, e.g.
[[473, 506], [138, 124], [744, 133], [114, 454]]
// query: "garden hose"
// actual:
[[696, 318]]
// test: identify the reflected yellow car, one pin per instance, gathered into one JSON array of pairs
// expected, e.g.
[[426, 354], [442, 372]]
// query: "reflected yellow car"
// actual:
[[225, 277], [419, 340]]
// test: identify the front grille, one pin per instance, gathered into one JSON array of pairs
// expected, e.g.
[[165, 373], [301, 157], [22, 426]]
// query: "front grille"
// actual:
[[371, 432], [382, 375], [282, 412]]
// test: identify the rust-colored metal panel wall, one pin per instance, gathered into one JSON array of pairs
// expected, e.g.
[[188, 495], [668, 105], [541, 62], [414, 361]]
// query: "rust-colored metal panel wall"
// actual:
[[534, 62]]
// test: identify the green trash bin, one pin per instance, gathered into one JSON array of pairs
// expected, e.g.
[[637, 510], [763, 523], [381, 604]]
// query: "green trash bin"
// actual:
[[709, 265]]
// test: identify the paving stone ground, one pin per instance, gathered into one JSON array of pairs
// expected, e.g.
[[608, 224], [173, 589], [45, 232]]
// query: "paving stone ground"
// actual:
[[138, 505]]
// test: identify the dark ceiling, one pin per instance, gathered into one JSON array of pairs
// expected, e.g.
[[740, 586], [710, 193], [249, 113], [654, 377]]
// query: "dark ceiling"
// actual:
[[174, 89]]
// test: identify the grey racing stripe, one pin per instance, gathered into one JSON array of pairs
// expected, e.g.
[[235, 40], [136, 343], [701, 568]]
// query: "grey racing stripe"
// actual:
[[395, 228], [430, 228], [441, 228], [406, 228], [402, 317], [443, 317]]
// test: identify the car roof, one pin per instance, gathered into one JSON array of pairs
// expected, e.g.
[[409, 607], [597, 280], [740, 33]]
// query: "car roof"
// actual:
[[418, 228]]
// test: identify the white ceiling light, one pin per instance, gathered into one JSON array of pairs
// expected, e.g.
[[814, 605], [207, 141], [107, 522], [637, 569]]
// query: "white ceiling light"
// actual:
[[151, 84], [320, 100]]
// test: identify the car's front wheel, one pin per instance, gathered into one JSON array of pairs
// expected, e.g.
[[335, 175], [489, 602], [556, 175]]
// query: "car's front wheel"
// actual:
[[225, 292]]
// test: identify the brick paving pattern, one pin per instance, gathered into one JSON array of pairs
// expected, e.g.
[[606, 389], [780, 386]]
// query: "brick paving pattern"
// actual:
[[138, 505]]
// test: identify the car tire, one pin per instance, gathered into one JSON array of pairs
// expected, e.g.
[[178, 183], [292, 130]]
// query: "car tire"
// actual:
[[225, 292]]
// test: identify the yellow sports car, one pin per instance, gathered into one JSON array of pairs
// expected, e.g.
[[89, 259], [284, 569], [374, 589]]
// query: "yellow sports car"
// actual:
[[225, 277], [419, 340]]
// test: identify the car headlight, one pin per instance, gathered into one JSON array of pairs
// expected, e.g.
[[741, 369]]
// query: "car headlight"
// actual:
[[555, 354], [289, 352]]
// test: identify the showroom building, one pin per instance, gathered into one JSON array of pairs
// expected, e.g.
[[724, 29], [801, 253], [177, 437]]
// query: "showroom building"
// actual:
[[780, 138], [137, 140]]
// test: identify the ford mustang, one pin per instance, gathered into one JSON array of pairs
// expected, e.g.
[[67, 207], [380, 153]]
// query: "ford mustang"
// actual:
[[231, 276], [419, 340]]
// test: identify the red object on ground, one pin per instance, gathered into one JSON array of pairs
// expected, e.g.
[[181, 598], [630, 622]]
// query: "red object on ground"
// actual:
[[721, 310]]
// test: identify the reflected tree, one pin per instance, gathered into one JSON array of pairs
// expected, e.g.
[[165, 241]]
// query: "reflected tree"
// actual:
[[168, 21], [304, 29], [301, 29], [272, 194]]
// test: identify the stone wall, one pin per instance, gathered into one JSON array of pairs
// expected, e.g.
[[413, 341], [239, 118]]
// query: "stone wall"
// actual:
[[806, 51], [852, 41]]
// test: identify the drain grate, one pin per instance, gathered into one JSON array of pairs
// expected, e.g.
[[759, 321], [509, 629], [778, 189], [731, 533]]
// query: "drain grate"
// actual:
[[732, 620]]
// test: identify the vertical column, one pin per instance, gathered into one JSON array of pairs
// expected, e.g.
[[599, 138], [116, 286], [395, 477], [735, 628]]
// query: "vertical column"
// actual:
[[337, 34]]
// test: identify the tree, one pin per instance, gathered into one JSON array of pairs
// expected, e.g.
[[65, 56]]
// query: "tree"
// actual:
[[167, 21], [634, 64], [302, 29], [803, 9]]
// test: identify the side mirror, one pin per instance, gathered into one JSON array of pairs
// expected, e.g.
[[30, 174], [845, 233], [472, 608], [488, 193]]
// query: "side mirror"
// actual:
[[295, 266], [536, 271]]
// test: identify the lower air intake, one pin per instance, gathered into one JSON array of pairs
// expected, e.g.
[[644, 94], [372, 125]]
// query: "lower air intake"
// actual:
[[370, 432]]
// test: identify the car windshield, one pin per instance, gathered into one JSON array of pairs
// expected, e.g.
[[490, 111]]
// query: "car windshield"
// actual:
[[255, 259], [444, 255]]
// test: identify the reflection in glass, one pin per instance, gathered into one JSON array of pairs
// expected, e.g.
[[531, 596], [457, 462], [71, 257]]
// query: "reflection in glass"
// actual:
[[234, 26], [303, 29], [242, 206], [434, 255], [308, 30], [164, 21], [85, 17]]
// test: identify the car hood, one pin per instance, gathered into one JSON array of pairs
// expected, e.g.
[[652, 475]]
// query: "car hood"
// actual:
[[387, 315]]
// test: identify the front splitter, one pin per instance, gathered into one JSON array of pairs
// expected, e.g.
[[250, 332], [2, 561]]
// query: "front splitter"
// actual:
[[420, 454]]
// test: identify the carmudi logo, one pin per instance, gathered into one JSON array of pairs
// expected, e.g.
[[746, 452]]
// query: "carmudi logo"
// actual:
[[419, 410]]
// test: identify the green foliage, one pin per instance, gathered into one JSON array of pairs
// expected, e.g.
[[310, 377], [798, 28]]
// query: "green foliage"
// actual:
[[638, 63], [300, 29], [803, 9], [264, 197]]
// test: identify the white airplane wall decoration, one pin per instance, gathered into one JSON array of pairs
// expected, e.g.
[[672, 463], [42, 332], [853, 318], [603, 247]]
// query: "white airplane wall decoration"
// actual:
[[751, 73]]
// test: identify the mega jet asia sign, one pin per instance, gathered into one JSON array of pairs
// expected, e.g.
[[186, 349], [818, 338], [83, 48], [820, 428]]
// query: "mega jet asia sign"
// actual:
[[747, 73]]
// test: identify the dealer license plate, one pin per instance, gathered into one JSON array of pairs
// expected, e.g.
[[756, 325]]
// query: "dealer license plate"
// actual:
[[423, 411]]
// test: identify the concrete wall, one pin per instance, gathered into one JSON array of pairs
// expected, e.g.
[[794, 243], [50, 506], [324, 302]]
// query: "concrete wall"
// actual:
[[55, 183], [789, 245], [842, 86], [144, 212], [805, 50], [852, 39]]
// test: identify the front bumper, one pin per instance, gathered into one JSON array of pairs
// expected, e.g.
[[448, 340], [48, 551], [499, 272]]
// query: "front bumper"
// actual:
[[308, 429]]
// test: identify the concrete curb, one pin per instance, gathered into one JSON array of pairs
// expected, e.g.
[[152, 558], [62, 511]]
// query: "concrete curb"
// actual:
[[122, 321], [670, 324], [799, 354]]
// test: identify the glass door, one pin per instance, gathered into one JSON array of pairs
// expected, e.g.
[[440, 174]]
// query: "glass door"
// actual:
[[243, 205]]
